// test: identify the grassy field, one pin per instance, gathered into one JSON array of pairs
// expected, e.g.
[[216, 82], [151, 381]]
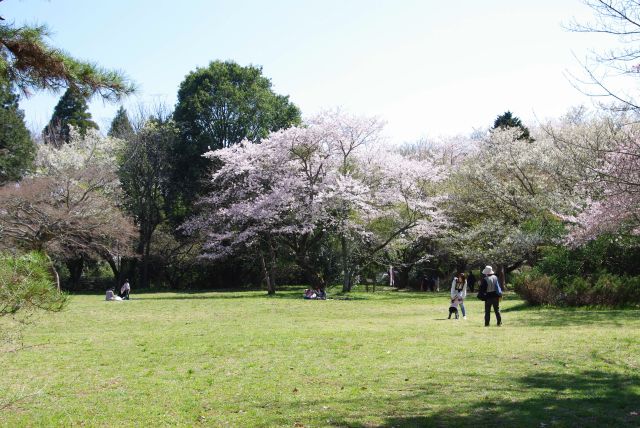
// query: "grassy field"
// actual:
[[384, 359]]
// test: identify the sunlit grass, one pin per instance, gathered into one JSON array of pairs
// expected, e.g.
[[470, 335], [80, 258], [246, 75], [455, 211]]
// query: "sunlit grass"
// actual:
[[384, 359]]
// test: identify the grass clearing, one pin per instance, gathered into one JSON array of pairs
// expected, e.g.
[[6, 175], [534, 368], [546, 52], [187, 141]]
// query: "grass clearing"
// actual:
[[385, 359]]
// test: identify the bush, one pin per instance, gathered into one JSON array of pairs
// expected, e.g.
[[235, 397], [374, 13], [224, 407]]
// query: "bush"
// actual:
[[603, 272], [26, 284], [536, 289], [603, 289]]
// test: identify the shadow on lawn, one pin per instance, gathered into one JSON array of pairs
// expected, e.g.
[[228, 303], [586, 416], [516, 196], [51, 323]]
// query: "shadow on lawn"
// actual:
[[563, 317], [218, 295], [587, 399]]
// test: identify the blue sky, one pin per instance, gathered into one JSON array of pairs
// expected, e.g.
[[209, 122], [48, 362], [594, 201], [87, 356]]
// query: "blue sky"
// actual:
[[428, 68]]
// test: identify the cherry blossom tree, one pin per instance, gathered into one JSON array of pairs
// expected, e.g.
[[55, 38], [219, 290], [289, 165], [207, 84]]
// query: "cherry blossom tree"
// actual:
[[604, 150], [503, 197], [327, 180], [68, 207]]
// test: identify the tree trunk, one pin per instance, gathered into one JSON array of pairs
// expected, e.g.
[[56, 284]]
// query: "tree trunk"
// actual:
[[114, 267], [265, 273], [346, 271], [272, 269], [145, 265], [54, 271], [501, 276]]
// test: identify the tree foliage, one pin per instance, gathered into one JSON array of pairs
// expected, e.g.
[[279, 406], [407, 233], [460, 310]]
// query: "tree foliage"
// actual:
[[503, 197], [29, 62], [603, 153], [71, 111], [508, 120], [69, 207], [219, 106], [303, 187], [121, 125], [17, 150], [145, 167], [26, 285]]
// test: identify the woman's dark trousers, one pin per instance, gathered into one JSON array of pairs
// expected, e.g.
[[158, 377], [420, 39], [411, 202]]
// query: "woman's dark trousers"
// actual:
[[488, 303]]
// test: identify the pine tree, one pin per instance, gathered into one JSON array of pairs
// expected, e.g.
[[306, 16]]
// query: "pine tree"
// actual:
[[17, 150], [121, 126], [30, 63], [71, 110], [508, 120]]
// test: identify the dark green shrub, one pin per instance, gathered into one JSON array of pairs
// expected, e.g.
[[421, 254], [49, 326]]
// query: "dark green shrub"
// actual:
[[602, 289], [536, 289], [603, 272]]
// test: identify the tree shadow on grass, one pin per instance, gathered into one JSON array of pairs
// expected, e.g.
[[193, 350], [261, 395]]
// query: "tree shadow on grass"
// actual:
[[518, 308], [222, 295], [562, 317], [200, 295], [586, 399], [545, 316]]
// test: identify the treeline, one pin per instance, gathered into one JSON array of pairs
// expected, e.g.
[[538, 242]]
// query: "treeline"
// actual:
[[232, 188]]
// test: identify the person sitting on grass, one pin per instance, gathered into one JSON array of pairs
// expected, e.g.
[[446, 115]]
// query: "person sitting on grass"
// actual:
[[111, 296], [315, 294], [320, 293]]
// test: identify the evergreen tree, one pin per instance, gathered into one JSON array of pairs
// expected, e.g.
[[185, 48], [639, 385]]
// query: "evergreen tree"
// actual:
[[508, 120], [30, 63], [219, 106], [17, 150], [121, 126], [71, 110]]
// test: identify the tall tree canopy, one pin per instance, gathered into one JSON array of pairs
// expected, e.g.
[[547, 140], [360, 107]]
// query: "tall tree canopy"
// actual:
[[17, 150], [143, 173], [305, 187], [508, 120], [71, 110], [219, 106], [121, 125], [604, 153]]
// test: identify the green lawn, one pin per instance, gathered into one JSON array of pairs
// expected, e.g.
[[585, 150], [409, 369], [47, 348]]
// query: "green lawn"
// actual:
[[384, 359]]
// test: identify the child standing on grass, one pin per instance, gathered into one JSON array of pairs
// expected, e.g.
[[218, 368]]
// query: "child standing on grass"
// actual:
[[453, 308]]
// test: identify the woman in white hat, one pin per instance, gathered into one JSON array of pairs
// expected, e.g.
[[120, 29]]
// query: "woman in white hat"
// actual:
[[490, 289]]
